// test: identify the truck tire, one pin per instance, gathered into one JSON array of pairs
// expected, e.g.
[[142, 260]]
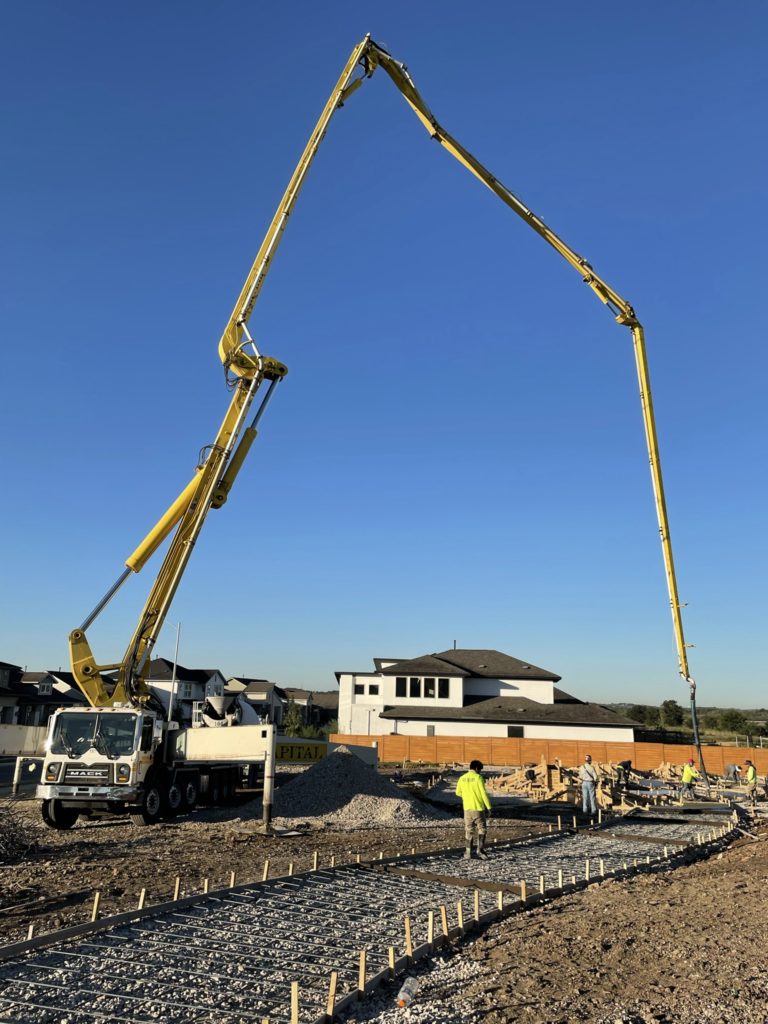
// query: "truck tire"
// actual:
[[172, 798], [151, 809], [56, 815], [190, 792]]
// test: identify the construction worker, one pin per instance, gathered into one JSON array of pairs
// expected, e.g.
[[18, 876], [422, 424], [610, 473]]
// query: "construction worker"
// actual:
[[690, 775], [751, 781], [477, 808], [588, 777]]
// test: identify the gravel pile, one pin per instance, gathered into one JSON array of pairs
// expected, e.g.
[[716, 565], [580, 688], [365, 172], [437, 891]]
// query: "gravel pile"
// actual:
[[343, 791]]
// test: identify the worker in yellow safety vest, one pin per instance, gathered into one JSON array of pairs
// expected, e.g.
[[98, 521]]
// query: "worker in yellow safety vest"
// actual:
[[751, 781], [477, 808], [690, 775]]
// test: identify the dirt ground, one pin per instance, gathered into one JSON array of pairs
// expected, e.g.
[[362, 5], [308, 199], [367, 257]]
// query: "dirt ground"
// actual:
[[676, 947]]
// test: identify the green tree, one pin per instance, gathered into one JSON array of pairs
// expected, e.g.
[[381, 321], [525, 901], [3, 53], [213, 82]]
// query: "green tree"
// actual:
[[293, 722], [671, 713], [733, 721]]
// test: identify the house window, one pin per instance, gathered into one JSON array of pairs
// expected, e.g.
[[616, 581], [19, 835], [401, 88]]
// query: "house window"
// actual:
[[214, 689], [373, 689], [415, 688], [429, 687], [514, 731], [185, 691], [430, 730], [443, 688], [45, 689], [400, 688], [359, 689]]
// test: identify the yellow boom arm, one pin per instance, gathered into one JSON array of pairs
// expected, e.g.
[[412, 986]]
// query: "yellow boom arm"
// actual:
[[214, 477]]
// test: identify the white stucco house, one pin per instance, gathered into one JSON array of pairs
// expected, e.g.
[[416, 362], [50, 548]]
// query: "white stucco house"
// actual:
[[470, 693]]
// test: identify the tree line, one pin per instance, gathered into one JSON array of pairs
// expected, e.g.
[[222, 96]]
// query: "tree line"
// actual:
[[670, 715]]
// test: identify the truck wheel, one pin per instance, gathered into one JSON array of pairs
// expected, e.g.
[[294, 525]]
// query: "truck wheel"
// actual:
[[56, 815], [151, 806], [173, 799], [190, 792]]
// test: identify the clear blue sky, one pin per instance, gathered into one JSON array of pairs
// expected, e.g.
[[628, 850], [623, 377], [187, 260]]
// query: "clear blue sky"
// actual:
[[457, 453]]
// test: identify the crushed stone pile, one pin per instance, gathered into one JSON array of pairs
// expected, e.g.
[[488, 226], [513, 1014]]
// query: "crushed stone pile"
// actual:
[[343, 791]]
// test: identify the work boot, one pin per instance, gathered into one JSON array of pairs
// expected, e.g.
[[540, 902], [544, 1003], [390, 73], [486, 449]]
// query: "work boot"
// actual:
[[481, 848], [468, 853]]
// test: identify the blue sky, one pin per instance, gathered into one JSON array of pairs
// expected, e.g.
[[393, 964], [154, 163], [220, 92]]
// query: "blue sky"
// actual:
[[457, 453]]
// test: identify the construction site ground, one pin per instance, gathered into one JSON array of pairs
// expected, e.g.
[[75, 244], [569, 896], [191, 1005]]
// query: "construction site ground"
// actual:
[[683, 945]]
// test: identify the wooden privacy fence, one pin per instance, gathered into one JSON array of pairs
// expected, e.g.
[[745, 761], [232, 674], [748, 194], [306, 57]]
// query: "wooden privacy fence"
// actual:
[[502, 751]]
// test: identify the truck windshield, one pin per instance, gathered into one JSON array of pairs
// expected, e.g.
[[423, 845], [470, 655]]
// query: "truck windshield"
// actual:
[[111, 735]]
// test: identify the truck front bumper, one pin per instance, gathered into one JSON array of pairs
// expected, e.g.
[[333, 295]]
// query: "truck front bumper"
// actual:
[[89, 794]]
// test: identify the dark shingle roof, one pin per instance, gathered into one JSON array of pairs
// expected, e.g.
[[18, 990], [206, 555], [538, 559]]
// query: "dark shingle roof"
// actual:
[[328, 699], [487, 664], [162, 668], [566, 710]]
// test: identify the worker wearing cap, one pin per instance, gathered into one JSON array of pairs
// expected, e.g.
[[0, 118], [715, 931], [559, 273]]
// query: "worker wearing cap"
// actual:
[[751, 781], [690, 775], [477, 808], [588, 777]]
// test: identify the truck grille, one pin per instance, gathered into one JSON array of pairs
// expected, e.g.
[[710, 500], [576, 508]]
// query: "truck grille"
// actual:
[[87, 774]]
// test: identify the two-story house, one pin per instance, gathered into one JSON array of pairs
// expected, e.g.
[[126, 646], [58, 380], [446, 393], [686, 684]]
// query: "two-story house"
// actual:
[[470, 693]]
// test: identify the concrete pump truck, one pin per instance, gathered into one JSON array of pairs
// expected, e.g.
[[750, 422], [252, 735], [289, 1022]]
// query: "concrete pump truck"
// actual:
[[130, 751]]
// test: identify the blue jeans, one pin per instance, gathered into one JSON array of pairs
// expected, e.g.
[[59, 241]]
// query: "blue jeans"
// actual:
[[588, 801]]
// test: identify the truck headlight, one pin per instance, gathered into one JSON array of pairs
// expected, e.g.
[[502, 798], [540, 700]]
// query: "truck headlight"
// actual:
[[52, 771], [123, 773]]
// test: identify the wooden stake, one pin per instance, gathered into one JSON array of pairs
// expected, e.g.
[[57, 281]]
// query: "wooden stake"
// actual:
[[476, 908], [573, 879], [391, 957], [358, 858], [666, 852], [290, 867], [600, 816], [95, 910], [265, 872], [444, 920], [413, 851], [381, 855], [232, 879], [541, 884], [142, 898], [408, 940], [523, 890], [586, 869], [176, 887], [314, 860], [294, 1002], [602, 868], [551, 826], [333, 860], [574, 821], [431, 928], [460, 915], [205, 885], [331, 1000], [560, 878], [361, 976], [500, 900], [559, 822], [30, 931]]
